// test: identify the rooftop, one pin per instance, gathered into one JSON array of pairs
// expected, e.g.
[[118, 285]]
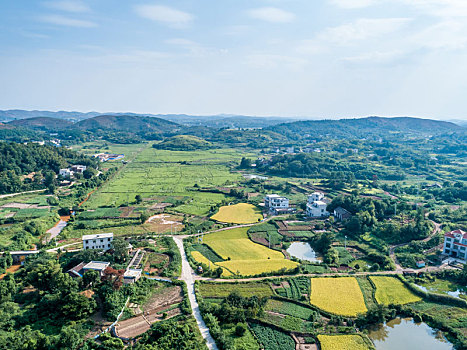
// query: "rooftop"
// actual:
[[96, 265], [100, 235], [132, 273], [456, 233]]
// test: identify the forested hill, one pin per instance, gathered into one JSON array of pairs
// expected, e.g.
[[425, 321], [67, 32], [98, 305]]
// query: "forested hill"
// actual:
[[127, 123], [364, 127], [17, 160], [42, 123]]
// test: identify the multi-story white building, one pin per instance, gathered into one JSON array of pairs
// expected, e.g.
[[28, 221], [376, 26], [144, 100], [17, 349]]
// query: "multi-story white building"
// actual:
[[455, 245], [316, 207], [78, 168], [66, 172], [315, 196], [274, 201], [99, 241]]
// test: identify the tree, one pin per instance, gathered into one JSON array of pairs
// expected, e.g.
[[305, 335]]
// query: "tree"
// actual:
[[46, 275], [138, 198], [91, 278], [120, 248], [245, 163], [143, 217], [69, 338]]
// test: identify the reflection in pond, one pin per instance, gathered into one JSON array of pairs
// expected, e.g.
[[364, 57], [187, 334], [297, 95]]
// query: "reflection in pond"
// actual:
[[303, 251], [405, 334]]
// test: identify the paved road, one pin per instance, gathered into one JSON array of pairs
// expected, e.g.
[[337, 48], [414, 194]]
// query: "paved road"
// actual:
[[188, 277], [54, 231]]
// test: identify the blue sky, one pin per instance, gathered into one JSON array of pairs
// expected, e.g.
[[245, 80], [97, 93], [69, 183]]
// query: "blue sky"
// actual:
[[314, 58]]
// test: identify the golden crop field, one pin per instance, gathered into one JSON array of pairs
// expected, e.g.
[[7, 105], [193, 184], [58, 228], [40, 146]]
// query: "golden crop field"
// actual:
[[200, 258], [340, 296], [241, 213], [341, 342], [245, 256], [389, 290]]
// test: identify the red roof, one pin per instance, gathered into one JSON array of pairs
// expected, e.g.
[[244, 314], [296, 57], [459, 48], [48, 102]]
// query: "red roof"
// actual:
[[454, 233]]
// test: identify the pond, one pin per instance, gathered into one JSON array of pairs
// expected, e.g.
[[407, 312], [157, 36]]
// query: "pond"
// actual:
[[445, 287], [405, 334], [303, 251]]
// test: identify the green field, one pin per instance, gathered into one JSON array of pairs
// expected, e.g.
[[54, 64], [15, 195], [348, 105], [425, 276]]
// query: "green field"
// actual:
[[171, 175], [222, 290], [244, 256], [390, 290], [287, 308], [241, 213]]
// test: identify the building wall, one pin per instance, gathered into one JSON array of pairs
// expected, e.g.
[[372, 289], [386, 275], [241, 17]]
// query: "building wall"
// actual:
[[98, 243]]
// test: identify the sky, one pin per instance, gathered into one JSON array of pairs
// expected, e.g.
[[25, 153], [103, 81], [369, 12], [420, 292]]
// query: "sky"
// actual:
[[296, 58]]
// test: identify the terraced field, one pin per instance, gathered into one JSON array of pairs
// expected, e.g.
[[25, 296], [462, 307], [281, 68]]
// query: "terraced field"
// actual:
[[389, 290], [241, 213], [340, 296], [243, 256]]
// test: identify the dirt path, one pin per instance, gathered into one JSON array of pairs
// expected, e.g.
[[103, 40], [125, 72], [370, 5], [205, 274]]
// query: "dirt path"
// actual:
[[19, 193], [392, 254], [188, 277]]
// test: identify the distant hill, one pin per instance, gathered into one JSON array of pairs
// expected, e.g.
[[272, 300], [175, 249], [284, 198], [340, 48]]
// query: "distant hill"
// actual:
[[13, 114], [183, 143], [42, 123], [364, 127], [127, 123]]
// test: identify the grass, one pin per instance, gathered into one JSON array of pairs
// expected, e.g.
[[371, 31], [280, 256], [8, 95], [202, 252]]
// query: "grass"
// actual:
[[207, 252], [222, 290], [340, 342], [340, 296], [241, 213], [345, 257], [390, 290], [287, 308], [367, 290], [243, 256], [246, 342]]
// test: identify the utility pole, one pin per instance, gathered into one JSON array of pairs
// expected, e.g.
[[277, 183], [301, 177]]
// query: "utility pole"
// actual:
[[345, 242], [269, 240], [395, 209]]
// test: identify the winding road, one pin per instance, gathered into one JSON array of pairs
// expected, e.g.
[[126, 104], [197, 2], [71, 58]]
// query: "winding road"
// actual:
[[188, 277]]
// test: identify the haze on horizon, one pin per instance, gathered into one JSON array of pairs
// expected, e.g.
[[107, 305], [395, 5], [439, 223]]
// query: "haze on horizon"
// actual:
[[319, 59]]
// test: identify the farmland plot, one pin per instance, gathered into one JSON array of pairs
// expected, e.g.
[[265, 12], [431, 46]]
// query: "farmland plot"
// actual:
[[241, 213], [340, 296], [222, 290], [340, 342], [171, 174], [390, 290], [244, 256]]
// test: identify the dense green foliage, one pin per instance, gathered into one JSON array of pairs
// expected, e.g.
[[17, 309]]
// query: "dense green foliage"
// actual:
[[183, 143]]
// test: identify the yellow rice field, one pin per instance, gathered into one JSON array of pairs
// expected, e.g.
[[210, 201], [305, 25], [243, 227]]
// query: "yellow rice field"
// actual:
[[342, 342], [241, 213], [200, 258], [340, 296], [243, 255], [389, 290]]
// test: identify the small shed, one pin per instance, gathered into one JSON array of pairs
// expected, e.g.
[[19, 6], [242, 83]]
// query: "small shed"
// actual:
[[421, 264]]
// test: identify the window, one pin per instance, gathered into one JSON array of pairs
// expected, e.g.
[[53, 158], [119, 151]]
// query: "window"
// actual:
[[448, 245], [462, 248]]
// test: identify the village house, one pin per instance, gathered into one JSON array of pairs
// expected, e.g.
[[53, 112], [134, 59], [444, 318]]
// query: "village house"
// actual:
[[98, 266], [131, 276], [455, 245], [341, 214], [98, 241], [277, 204], [316, 207], [67, 173], [78, 168]]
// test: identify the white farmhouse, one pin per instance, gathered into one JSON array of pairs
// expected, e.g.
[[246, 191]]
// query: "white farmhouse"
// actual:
[[66, 173], [274, 201], [99, 241], [316, 207], [455, 245]]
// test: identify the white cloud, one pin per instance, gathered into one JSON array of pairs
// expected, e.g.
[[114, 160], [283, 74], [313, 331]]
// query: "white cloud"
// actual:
[[68, 6], [271, 61], [67, 21], [353, 4], [376, 57], [271, 14], [361, 29], [164, 14]]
